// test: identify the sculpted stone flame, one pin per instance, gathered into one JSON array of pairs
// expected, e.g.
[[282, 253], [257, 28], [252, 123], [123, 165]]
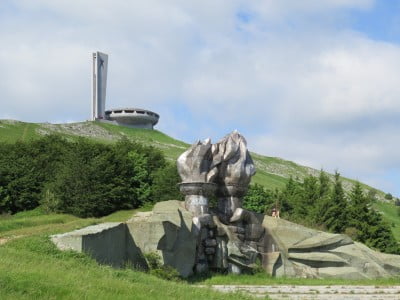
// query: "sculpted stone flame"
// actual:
[[235, 166], [194, 164]]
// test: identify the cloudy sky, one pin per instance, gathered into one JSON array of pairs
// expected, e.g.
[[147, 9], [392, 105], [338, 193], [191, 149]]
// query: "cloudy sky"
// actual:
[[313, 81]]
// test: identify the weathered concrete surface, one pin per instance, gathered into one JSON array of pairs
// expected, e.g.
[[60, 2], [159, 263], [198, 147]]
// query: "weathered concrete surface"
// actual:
[[108, 243], [310, 253], [169, 231], [347, 292], [288, 249]]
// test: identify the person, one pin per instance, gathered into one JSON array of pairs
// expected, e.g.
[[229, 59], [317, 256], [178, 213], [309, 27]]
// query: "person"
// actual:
[[274, 212]]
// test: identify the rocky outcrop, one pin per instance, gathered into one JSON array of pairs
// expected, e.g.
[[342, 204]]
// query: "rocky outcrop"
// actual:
[[304, 252]]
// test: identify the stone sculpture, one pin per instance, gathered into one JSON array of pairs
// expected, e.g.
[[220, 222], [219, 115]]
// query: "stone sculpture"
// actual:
[[226, 240]]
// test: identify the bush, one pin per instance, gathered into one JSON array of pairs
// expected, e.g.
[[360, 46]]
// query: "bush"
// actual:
[[388, 196], [165, 184], [158, 269], [257, 199], [153, 260], [352, 233]]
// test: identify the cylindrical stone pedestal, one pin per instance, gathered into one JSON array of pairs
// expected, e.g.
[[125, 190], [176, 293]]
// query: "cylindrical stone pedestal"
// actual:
[[229, 199], [196, 196]]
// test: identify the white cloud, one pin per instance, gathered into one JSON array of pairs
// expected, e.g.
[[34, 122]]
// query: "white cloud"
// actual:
[[282, 72]]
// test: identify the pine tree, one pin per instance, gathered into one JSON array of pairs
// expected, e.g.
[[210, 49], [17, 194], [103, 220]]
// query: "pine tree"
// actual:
[[310, 198], [323, 202], [358, 212], [336, 216]]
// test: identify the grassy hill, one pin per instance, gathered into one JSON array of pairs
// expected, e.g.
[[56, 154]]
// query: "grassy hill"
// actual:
[[272, 172]]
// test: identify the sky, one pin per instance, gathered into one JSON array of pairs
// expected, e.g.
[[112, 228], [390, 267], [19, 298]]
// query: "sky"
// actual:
[[315, 82]]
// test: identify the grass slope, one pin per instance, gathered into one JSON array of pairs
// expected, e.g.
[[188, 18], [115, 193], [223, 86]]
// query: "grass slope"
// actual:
[[31, 267], [390, 214]]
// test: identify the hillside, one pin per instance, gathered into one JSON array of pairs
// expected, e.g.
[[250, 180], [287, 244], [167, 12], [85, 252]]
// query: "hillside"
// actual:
[[272, 172]]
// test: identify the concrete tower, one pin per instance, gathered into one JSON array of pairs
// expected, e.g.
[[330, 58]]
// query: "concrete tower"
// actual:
[[99, 85]]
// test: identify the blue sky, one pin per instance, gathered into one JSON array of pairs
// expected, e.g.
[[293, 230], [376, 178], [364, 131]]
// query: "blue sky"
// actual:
[[316, 82]]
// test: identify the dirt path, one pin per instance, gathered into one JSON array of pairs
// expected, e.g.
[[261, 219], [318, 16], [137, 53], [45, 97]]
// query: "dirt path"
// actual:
[[4, 240], [23, 137], [342, 292]]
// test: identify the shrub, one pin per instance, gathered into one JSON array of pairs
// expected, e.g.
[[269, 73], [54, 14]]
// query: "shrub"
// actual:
[[388, 196], [158, 269]]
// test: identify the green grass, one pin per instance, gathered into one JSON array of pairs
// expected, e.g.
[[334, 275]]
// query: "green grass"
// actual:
[[11, 132], [36, 222], [270, 181], [389, 211], [31, 267], [171, 147]]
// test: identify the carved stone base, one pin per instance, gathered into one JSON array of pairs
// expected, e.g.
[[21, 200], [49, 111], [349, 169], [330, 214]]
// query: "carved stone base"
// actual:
[[196, 196]]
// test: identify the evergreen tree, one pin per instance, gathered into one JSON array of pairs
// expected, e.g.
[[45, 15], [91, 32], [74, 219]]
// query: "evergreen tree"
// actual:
[[287, 198], [323, 201], [307, 207], [380, 235], [336, 217], [358, 212], [258, 199]]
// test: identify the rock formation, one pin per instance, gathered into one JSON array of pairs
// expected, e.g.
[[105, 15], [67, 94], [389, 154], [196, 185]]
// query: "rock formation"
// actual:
[[296, 251]]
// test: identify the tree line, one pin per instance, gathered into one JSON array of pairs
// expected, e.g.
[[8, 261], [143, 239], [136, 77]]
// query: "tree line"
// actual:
[[322, 204], [83, 177]]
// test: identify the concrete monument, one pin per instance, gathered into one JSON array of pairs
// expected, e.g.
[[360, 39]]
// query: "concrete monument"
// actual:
[[193, 237], [99, 85], [130, 117]]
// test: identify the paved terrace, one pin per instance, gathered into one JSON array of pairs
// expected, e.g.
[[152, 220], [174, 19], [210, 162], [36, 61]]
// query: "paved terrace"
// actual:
[[342, 292]]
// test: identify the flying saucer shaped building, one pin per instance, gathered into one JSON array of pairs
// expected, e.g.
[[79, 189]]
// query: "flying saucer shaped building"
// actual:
[[131, 117]]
